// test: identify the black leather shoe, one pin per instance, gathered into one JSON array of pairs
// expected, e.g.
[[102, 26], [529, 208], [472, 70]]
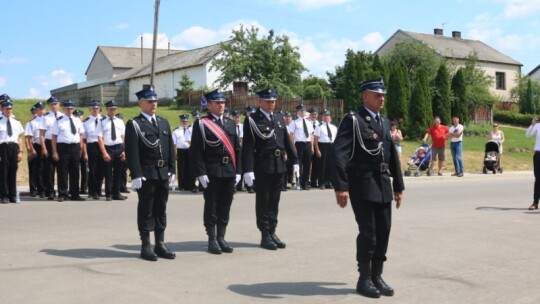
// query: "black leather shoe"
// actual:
[[125, 191], [60, 198], [250, 190], [147, 253], [163, 252], [213, 246], [267, 242], [277, 241], [366, 288], [95, 197], [50, 197], [224, 245], [33, 194], [83, 191], [4, 201], [119, 198], [108, 198], [381, 285], [78, 198]]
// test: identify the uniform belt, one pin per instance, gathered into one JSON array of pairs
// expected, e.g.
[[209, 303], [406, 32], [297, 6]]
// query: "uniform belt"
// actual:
[[273, 152], [221, 159], [155, 162], [381, 167]]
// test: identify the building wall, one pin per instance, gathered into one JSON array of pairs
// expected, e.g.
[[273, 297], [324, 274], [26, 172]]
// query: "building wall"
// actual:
[[99, 67], [511, 72], [536, 75]]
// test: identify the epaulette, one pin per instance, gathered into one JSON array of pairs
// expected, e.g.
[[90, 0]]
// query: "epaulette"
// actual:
[[87, 118], [1, 117], [103, 118], [33, 118], [59, 117]]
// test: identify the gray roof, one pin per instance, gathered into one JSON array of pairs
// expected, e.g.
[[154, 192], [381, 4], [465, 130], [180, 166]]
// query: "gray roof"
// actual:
[[182, 60], [459, 48], [129, 57]]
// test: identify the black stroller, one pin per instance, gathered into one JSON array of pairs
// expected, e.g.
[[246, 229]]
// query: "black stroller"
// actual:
[[492, 158]]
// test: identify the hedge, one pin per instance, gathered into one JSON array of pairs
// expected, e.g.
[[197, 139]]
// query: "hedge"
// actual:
[[513, 118]]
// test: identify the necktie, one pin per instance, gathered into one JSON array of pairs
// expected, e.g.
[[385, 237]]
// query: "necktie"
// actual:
[[9, 130], [55, 114], [95, 122], [73, 129], [113, 130], [271, 118], [184, 131], [378, 119], [329, 132], [305, 128], [154, 122], [314, 125]]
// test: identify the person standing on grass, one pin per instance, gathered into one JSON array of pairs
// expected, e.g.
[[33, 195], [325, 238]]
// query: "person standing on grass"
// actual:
[[438, 144], [455, 134]]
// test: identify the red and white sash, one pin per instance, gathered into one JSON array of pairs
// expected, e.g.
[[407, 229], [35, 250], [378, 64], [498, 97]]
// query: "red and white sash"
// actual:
[[222, 136]]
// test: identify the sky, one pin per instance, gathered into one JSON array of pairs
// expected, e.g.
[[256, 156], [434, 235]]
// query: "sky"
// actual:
[[49, 44]]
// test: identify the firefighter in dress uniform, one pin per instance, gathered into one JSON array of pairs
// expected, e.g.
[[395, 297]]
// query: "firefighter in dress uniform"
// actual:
[[10, 152]]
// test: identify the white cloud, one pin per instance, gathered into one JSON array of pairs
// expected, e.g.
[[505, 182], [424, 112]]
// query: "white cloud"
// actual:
[[13, 60], [56, 79], [313, 4], [520, 8], [162, 41], [3, 82], [121, 26]]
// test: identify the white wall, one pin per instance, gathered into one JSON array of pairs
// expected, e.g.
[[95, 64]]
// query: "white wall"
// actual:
[[99, 67]]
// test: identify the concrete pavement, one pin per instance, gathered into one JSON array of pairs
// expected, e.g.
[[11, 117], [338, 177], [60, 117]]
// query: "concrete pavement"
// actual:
[[455, 240]]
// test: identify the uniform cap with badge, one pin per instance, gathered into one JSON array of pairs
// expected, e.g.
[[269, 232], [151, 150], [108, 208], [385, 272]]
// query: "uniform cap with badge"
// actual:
[[325, 112], [146, 94], [110, 104], [373, 85], [268, 94], [78, 113], [94, 104], [69, 104], [251, 109], [195, 114], [235, 113], [184, 117], [215, 95], [52, 100], [39, 105], [312, 111], [4, 97], [7, 104], [300, 107]]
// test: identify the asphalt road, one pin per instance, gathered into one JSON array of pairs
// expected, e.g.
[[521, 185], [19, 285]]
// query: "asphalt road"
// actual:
[[454, 240]]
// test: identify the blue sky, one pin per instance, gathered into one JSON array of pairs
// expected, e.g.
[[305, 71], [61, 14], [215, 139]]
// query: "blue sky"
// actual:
[[49, 44]]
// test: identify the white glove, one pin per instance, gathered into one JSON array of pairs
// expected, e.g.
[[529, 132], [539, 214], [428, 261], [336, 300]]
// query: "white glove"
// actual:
[[203, 179], [136, 184], [249, 177], [238, 177], [172, 178], [296, 169]]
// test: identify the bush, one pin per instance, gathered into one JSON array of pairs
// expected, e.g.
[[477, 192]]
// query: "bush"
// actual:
[[513, 118]]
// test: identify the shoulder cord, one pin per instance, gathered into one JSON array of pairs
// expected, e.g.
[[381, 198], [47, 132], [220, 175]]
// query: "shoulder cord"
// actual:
[[205, 140], [357, 133], [145, 141], [255, 130]]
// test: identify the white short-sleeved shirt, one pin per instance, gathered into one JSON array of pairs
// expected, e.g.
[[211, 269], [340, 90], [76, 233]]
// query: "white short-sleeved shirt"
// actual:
[[240, 130], [297, 128], [91, 128], [181, 137], [62, 129], [48, 122], [104, 130], [16, 129], [534, 130], [32, 129], [454, 129], [322, 132]]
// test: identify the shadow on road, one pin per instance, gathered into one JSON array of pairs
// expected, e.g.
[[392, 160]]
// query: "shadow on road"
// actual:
[[89, 253], [197, 246], [500, 209], [278, 290]]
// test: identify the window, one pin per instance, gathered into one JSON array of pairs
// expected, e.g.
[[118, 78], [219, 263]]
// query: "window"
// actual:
[[500, 81]]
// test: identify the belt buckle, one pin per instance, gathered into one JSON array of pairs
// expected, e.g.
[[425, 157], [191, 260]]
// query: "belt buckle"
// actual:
[[226, 159], [277, 152], [384, 167], [160, 163]]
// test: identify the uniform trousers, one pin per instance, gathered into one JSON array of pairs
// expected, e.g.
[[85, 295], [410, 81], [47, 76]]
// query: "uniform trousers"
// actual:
[[68, 168], [186, 181], [8, 170], [95, 168], [49, 168], [123, 176], [304, 157], [325, 164], [84, 175], [113, 170], [267, 199], [152, 206], [315, 168], [536, 166], [35, 169], [218, 198]]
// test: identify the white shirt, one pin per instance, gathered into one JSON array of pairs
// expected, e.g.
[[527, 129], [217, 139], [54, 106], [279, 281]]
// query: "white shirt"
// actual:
[[454, 129], [314, 124], [32, 129], [16, 129], [149, 118], [321, 132], [48, 122], [104, 130], [297, 128], [62, 128], [181, 137], [91, 128], [534, 131], [240, 130]]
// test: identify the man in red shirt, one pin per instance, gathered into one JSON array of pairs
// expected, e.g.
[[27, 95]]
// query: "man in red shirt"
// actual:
[[438, 144]]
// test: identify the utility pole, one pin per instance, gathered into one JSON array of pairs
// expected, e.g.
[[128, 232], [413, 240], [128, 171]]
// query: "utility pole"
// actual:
[[156, 21]]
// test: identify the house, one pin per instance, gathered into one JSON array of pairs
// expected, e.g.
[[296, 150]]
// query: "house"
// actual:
[[535, 73], [504, 70], [118, 72]]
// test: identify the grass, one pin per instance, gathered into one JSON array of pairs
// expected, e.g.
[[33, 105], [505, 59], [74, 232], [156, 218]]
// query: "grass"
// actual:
[[517, 155]]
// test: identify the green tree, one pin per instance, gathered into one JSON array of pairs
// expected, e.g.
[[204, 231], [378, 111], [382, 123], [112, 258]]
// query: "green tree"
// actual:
[[421, 114], [380, 68], [399, 94], [315, 88], [270, 61], [415, 55], [336, 82], [519, 93], [459, 97], [478, 84], [186, 86], [529, 102], [442, 96]]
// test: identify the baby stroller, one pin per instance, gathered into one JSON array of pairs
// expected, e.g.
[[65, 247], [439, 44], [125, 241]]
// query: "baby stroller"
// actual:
[[420, 161], [492, 158]]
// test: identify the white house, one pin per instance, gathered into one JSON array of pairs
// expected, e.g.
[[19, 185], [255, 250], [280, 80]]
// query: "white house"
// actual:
[[535, 73]]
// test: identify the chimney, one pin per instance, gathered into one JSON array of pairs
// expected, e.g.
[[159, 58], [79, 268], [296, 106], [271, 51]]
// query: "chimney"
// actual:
[[456, 34], [438, 31]]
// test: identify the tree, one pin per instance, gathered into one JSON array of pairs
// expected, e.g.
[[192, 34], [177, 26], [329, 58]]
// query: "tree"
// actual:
[[421, 114], [415, 55], [270, 61], [398, 94], [315, 88], [186, 86], [442, 96], [519, 93], [380, 68], [459, 106], [478, 84], [530, 107]]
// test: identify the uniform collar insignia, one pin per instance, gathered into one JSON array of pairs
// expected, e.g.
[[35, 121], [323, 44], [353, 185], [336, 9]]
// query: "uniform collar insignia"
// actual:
[[368, 118]]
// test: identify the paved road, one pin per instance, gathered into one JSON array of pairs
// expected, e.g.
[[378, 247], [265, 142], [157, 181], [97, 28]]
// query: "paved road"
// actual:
[[455, 240]]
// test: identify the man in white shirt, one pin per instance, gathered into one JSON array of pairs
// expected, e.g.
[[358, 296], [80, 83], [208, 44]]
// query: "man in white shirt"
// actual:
[[45, 135], [456, 145], [182, 139], [301, 132], [33, 148], [325, 134], [11, 151], [96, 163]]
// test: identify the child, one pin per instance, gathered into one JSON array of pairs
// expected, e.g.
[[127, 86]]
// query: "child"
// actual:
[[420, 154]]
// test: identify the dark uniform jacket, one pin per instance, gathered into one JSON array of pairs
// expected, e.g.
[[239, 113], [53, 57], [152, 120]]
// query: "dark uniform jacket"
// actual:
[[258, 154], [145, 161], [364, 173], [208, 160]]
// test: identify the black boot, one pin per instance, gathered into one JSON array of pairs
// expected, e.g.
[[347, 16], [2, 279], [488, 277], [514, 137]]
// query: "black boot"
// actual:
[[267, 242], [380, 284], [160, 249], [146, 249], [276, 240], [221, 239], [213, 246], [365, 286]]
